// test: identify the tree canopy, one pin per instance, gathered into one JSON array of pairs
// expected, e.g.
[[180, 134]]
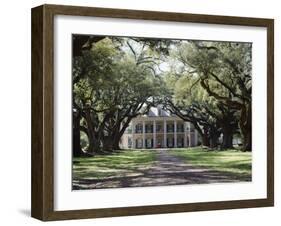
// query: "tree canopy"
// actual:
[[117, 83], [223, 70], [116, 79]]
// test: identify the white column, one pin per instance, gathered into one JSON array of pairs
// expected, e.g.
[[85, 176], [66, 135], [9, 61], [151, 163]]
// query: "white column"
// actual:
[[185, 134], [143, 134], [154, 134], [189, 134], [175, 134], [165, 134], [133, 138]]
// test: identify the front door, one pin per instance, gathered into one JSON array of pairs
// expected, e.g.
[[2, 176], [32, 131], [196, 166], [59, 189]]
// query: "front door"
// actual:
[[159, 143]]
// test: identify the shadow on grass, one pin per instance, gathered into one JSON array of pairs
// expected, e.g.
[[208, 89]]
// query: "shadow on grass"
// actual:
[[232, 161], [159, 179], [147, 168], [111, 165]]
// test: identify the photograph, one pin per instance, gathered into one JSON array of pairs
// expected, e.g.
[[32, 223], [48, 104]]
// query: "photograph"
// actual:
[[160, 112], [141, 112]]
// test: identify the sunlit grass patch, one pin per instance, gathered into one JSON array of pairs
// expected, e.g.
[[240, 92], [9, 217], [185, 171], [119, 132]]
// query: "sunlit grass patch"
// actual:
[[113, 165], [232, 161]]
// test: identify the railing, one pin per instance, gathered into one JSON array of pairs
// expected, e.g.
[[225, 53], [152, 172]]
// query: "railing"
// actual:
[[169, 129]]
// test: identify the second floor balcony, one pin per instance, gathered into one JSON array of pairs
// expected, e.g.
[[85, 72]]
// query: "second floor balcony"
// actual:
[[170, 128]]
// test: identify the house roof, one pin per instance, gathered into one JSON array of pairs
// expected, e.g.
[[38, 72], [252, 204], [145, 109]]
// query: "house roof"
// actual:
[[158, 112]]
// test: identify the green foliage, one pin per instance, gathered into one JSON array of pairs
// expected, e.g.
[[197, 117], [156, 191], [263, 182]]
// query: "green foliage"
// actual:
[[114, 82], [117, 79], [211, 86], [224, 66], [111, 73]]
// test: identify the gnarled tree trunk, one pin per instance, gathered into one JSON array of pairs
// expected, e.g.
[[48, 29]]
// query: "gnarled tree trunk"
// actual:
[[245, 124], [227, 132], [213, 137], [213, 140], [205, 138], [76, 147], [93, 136]]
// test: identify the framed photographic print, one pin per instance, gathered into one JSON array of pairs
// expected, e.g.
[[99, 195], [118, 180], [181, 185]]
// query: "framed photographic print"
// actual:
[[141, 112]]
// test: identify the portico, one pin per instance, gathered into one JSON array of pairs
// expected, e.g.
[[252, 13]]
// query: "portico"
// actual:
[[159, 132]]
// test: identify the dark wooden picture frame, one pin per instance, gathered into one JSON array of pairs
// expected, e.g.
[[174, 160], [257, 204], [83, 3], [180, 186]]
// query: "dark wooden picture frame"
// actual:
[[42, 203]]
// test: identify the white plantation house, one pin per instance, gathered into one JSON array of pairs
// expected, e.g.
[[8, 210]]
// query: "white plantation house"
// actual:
[[159, 129]]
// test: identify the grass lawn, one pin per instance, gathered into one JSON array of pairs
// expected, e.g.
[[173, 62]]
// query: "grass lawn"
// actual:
[[229, 161], [122, 163], [139, 167]]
